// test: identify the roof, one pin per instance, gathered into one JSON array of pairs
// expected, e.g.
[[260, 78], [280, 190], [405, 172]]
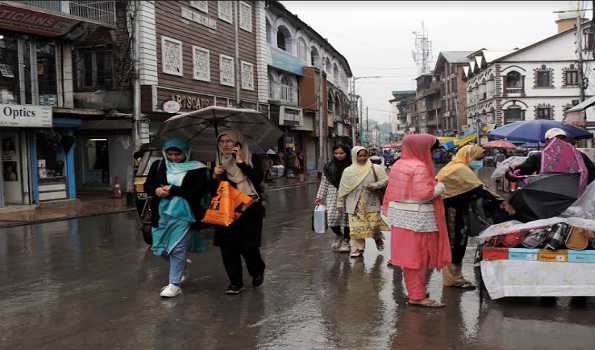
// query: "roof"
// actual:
[[403, 93], [455, 56], [295, 19], [491, 56], [583, 105]]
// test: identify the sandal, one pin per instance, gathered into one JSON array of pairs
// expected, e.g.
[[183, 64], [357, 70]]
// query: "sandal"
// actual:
[[358, 253], [432, 304]]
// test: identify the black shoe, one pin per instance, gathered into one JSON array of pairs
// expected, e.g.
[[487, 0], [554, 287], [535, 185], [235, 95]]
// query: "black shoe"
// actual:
[[257, 280], [234, 290]]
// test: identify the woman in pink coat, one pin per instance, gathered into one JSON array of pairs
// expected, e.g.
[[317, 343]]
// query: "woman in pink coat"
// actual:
[[412, 203]]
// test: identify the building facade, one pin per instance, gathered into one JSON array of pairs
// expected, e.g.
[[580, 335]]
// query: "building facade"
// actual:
[[308, 79], [428, 104], [540, 81], [44, 110], [450, 73], [403, 105]]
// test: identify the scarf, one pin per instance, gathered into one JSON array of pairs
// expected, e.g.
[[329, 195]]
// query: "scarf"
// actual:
[[560, 156], [232, 170], [457, 176], [354, 174], [177, 171], [333, 170]]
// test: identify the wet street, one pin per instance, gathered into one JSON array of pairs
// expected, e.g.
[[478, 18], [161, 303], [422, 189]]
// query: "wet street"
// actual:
[[92, 284]]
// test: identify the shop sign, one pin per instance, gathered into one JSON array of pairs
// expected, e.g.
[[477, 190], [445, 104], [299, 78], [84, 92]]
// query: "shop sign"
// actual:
[[171, 106], [192, 102], [34, 22], [25, 116]]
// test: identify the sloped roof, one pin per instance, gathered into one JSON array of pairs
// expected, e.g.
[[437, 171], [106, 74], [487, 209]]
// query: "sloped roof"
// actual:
[[456, 56], [491, 56]]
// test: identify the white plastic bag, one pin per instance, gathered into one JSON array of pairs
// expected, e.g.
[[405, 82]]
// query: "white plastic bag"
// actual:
[[319, 221]]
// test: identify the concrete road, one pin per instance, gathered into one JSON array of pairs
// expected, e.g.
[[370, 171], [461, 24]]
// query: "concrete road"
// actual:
[[92, 284]]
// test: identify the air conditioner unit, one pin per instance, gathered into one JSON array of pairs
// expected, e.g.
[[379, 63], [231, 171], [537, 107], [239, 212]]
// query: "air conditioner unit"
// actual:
[[290, 116]]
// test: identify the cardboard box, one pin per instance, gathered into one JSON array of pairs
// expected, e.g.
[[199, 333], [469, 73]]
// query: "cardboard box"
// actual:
[[581, 256], [553, 255], [523, 254], [490, 253]]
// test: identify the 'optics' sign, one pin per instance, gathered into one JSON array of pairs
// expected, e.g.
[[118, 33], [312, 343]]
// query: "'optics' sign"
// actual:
[[25, 116]]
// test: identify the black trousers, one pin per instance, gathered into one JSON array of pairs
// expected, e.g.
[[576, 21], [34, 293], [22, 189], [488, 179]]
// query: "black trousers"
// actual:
[[337, 231], [232, 260], [460, 239]]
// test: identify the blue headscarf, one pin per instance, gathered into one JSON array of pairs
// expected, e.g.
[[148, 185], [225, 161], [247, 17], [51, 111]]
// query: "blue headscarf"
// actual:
[[177, 171]]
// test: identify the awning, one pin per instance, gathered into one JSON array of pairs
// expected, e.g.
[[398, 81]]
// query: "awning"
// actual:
[[583, 105]]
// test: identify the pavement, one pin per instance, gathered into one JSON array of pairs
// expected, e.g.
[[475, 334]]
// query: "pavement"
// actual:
[[91, 283]]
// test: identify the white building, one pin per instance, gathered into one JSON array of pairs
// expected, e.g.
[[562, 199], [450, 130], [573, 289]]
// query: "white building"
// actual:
[[539, 81]]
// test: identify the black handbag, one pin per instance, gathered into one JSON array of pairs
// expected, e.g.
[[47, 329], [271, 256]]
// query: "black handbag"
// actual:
[[475, 218]]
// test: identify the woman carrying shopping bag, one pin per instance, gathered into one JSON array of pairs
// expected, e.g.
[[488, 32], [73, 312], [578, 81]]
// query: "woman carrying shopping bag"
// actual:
[[327, 191], [360, 193], [178, 185], [412, 203], [242, 238]]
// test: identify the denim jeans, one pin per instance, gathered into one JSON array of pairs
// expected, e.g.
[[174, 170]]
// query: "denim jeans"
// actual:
[[177, 260]]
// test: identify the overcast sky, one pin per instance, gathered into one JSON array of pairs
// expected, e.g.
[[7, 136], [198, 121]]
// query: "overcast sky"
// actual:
[[376, 37]]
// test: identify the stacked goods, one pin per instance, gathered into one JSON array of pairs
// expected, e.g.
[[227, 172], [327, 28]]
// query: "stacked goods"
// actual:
[[556, 243]]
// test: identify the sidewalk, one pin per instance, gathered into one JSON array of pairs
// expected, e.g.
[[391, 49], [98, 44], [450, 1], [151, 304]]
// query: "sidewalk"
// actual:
[[94, 204], [87, 205]]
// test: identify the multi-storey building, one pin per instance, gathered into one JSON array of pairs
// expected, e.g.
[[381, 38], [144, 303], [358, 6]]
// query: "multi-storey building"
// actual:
[[539, 81], [304, 68], [58, 60], [403, 104], [428, 104], [449, 71]]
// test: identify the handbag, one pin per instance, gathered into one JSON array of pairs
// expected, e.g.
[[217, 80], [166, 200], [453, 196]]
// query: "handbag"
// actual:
[[227, 205], [319, 219], [475, 218], [414, 216]]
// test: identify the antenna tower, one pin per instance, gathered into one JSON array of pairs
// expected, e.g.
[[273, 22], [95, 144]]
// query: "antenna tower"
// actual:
[[422, 55]]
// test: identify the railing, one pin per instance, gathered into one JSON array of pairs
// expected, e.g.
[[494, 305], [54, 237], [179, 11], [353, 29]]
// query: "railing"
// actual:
[[101, 11]]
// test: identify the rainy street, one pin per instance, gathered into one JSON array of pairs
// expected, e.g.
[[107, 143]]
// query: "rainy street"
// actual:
[[92, 284]]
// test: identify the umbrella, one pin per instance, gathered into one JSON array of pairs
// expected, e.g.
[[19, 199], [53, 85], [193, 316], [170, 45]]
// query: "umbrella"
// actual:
[[499, 144], [534, 131], [200, 128], [546, 196]]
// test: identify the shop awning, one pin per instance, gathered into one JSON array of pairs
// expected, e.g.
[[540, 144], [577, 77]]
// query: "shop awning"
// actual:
[[583, 105]]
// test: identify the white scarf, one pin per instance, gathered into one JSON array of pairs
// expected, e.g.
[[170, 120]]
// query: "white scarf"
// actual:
[[235, 174]]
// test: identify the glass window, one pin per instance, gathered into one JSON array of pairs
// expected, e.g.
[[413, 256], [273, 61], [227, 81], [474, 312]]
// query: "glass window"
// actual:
[[544, 77], [543, 113], [513, 114], [513, 80], [9, 69], [571, 78], [50, 155], [46, 73]]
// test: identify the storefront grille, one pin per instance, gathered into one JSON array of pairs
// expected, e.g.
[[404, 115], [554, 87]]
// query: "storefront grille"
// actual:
[[103, 12]]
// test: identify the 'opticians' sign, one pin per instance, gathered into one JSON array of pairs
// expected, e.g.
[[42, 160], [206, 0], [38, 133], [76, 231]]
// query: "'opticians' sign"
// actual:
[[25, 116]]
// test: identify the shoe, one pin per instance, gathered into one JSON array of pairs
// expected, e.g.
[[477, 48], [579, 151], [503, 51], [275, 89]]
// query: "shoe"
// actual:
[[170, 291], [358, 253], [336, 244], [234, 290], [345, 247], [379, 244], [258, 280]]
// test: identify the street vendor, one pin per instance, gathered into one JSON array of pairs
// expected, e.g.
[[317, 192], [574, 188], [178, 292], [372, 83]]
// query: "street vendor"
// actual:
[[559, 159]]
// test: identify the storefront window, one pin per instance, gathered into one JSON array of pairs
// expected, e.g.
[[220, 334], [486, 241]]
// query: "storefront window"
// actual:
[[9, 69], [50, 155], [46, 73]]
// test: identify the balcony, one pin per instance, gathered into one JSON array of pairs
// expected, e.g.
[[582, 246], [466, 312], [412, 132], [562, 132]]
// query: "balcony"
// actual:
[[101, 12], [285, 94]]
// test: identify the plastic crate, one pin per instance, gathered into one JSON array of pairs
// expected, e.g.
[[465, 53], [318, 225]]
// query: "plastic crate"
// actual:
[[491, 253], [553, 255], [523, 254], [581, 256]]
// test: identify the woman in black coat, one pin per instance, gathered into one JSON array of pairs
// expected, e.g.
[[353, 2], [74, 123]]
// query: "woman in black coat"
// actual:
[[177, 185], [243, 238]]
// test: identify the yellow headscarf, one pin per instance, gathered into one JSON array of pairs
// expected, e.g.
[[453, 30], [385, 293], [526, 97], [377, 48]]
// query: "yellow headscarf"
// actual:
[[457, 176], [355, 174]]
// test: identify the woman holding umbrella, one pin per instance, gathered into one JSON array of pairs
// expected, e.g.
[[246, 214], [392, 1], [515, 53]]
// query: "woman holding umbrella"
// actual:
[[243, 238], [178, 184]]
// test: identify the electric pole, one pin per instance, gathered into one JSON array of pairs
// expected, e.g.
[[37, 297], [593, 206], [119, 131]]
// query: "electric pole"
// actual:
[[579, 41]]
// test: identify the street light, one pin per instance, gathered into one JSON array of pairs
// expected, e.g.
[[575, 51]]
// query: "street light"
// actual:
[[360, 120]]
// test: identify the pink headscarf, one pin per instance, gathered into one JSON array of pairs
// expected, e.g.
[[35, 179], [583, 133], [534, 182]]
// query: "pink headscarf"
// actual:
[[560, 156], [412, 178]]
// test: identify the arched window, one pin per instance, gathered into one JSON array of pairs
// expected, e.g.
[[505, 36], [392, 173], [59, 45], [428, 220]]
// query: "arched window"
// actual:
[[335, 73], [327, 66], [283, 38], [331, 103], [314, 57], [269, 32], [513, 80], [302, 50]]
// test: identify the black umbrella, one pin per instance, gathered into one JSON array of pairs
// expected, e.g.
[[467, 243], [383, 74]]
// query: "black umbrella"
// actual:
[[546, 196]]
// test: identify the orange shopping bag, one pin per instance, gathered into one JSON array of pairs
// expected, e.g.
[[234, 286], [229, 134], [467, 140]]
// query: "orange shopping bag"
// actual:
[[227, 205]]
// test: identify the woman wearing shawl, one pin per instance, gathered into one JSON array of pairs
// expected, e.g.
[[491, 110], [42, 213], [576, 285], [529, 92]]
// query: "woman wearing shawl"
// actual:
[[359, 196], [243, 238], [178, 185], [461, 186], [415, 211], [331, 178]]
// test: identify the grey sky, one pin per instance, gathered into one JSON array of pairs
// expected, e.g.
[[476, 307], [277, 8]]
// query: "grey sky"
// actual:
[[376, 36]]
